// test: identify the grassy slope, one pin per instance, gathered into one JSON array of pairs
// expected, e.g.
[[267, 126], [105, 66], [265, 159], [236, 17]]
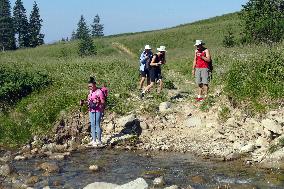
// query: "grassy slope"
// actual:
[[69, 73]]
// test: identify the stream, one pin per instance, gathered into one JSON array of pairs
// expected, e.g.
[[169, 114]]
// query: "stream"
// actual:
[[120, 167]]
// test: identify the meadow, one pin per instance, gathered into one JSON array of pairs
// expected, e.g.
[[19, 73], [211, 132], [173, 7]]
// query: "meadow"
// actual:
[[55, 77]]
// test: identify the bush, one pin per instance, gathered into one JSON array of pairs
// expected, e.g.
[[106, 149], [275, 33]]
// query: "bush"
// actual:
[[256, 82], [16, 84], [228, 40]]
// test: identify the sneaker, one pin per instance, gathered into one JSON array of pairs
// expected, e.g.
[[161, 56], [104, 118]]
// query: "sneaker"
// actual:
[[142, 95], [100, 144], [199, 99], [91, 143]]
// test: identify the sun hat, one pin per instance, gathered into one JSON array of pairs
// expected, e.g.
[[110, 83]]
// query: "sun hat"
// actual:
[[199, 42], [162, 48], [147, 47]]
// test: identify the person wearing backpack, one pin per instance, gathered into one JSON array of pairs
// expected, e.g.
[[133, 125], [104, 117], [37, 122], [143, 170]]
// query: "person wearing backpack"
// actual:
[[155, 70], [145, 59], [201, 69], [96, 103]]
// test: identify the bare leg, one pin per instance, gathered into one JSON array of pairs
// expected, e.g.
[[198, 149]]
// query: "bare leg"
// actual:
[[149, 87], [200, 87], [142, 82], [205, 89], [160, 86]]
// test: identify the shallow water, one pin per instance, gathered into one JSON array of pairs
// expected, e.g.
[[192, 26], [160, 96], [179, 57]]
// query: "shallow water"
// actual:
[[120, 167]]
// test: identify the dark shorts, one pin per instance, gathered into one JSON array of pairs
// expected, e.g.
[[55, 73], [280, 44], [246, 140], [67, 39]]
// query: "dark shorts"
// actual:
[[144, 73], [155, 74]]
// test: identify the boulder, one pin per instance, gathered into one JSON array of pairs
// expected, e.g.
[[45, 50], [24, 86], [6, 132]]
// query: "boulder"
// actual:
[[49, 167], [247, 148], [139, 183], [271, 125], [172, 187], [94, 168], [164, 106], [126, 120], [193, 122], [160, 181], [6, 170], [102, 185]]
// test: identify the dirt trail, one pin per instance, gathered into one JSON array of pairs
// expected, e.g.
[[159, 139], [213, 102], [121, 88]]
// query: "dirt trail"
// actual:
[[122, 48]]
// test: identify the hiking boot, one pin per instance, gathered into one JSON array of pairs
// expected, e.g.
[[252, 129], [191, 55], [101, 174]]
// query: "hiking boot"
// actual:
[[91, 143]]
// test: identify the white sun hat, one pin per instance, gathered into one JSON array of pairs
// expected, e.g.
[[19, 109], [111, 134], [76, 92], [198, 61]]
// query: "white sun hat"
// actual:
[[162, 49], [199, 42], [147, 47]]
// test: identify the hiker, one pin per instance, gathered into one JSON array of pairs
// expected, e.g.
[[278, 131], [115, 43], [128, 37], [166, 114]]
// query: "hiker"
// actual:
[[155, 70], [145, 59], [200, 69], [96, 101]]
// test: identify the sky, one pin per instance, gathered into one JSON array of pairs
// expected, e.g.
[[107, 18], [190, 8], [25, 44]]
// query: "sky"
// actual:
[[60, 17]]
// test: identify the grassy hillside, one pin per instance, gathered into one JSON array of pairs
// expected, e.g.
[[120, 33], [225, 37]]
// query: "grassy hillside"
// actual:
[[65, 73]]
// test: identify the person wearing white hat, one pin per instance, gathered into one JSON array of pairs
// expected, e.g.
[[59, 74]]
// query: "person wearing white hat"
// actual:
[[200, 69], [145, 59], [155, 70]]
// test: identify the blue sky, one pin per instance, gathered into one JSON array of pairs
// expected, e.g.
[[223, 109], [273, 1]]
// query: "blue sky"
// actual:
[[60, 17]]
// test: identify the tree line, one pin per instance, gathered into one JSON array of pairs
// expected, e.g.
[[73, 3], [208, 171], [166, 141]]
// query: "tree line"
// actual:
[[17, 31]]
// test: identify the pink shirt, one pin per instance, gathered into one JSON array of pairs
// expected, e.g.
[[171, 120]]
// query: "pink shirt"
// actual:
[[96, 96]]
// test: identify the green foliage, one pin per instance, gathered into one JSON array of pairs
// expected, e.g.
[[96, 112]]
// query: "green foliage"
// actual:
[[7, 39], [168, 84], [83, 31], [263, 21], [36, 38], [256, 80], [224, 114], [207, 104], [86, 47], [97, 28], [274, 147], [229, 40], [16, 84]]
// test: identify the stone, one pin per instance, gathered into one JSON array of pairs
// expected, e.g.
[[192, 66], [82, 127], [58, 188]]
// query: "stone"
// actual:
[[109, 128], [271, 125], [159, 181], [144, 125], [198, 179], [247, 148], [172, 187], [94, 168], [6, 170], [139, 183], [32, 180], [193, 122], [102, 185], [261, 142], [58, 156], [232, 156], [49, 167], [19, 158], [125, 120], [164, 106]]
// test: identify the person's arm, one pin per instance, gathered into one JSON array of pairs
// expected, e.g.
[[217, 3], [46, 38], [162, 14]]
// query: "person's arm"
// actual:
[[143, 58], [207, 56], [194, 63], [153, 61]]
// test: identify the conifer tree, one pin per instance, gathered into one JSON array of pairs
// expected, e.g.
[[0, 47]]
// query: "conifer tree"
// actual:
[[73, 35], [36, 38], [21, 24], [82, 29], [7, 35], [97, 28], [86, 45]]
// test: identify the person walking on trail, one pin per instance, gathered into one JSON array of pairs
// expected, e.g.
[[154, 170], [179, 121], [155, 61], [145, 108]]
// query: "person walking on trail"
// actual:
[[96, 101], [145, 59], [200, 69], [155, 70]]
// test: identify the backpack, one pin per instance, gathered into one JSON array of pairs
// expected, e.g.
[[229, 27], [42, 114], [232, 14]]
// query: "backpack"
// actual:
[[210, 66]]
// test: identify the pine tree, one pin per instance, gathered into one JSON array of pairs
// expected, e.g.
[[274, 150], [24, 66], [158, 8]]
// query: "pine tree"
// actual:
[[97, 28], [73, 35], [82, 29], [36, 38], [21, 24], [7, 35], [86, 45]]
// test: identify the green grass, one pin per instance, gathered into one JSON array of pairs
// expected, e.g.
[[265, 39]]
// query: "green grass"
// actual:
[[251, 75]]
